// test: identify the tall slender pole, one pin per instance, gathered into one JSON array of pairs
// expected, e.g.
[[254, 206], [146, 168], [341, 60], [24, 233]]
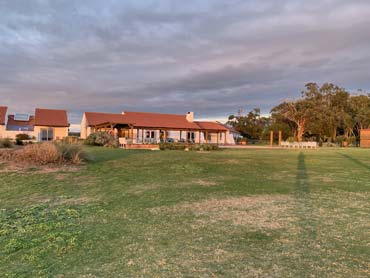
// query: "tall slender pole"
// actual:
[[280, 137], [271, 137]]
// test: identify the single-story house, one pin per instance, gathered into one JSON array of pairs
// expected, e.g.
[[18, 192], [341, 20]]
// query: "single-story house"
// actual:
[[45, 125], [152, 128], [51, 124]]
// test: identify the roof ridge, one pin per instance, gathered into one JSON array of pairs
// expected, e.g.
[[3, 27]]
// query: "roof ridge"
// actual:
[[156, 113], [106, 113], [52, 109]]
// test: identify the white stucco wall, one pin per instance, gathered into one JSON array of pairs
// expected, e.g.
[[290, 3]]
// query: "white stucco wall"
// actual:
[[2, 131], [84, 129], [59, 132], [11, 134]]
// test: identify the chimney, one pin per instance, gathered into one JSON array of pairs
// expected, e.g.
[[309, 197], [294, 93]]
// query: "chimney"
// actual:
[[190, 117]]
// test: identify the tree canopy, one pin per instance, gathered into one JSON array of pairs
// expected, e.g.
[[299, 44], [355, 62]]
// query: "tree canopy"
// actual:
[[326, 113]]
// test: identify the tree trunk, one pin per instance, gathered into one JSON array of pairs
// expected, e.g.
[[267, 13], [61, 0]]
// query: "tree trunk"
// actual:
[[334, 135], [300, 131]]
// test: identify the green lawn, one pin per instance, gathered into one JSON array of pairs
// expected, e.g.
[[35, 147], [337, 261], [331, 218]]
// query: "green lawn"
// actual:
[[231, 213]]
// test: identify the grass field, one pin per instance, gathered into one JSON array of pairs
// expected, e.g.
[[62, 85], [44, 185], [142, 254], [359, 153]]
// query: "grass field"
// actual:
[[231, 213]]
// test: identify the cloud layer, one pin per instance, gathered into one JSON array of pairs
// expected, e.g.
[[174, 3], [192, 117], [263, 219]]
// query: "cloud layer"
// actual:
[[173, 56]]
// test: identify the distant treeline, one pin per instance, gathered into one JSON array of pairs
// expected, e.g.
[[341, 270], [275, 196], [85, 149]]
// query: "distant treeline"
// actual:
[[326, 113]]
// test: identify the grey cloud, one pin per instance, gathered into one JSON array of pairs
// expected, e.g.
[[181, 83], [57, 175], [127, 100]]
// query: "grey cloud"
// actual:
[[171, 56]]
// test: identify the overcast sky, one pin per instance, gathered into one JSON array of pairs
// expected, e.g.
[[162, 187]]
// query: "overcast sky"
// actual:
[[210, 57]]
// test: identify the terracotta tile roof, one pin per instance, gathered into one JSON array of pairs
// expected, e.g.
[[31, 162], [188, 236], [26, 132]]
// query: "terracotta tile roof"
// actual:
[[3, 110], [151, 120], [20, 125], [97, 118], [156, 120], [51, 117], [211, 126]]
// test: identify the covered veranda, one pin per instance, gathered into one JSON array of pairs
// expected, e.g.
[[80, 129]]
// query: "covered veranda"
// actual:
[[129, 133]]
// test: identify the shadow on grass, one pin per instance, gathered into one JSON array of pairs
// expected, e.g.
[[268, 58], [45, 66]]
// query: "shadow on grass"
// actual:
[[356, 161], [307, 224]]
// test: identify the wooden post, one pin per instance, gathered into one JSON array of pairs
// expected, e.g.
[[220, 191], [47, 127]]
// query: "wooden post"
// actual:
[[217, 138], [225, 138], [206, 137], [180, 135], [271, 137], [280, 137], [142, 136], [199, 138]]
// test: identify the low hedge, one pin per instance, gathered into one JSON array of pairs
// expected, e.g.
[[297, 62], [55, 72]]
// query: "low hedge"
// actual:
[[190, 147], [6, 143]]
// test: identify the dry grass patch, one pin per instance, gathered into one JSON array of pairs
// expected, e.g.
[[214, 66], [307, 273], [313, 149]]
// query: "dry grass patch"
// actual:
[[256, 212], [24, 168], [56, 201], [206, 183]]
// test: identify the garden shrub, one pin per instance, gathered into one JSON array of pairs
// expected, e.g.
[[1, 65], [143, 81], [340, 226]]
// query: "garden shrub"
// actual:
[[19, 138], [18, 142], [101, 139], [46, 153], [72, 153], [352, 140], [340, 139], [6, 143], [22, 137], [172, 146], [190, 147], [209, 147]]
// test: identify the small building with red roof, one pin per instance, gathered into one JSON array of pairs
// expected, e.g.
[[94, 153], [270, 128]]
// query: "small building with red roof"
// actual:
[[51, 124], [44, 125], [152, 128]]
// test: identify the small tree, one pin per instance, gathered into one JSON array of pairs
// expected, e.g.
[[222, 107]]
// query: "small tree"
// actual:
[[298, 112]]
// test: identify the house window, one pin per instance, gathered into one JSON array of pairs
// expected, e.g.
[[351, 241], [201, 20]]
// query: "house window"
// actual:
[[47, 134], [191, 136], [150, 134]]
